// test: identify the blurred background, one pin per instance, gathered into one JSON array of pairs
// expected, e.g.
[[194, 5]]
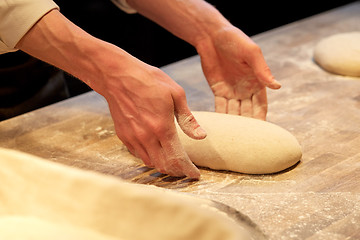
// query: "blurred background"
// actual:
[[154, 45], [22, 81]]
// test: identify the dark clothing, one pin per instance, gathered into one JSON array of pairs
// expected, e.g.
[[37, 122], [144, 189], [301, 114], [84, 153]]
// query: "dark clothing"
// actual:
[[27, 84]]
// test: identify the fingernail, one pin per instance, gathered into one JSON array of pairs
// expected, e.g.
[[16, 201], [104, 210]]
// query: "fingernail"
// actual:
[[195, 174], [200, 133], [275, 84]]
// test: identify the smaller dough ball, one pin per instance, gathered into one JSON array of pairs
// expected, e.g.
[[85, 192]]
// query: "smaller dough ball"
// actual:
[[340, 54]]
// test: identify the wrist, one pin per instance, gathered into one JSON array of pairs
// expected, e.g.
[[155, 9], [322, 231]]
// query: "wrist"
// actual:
[[216, 37], [207, 27]]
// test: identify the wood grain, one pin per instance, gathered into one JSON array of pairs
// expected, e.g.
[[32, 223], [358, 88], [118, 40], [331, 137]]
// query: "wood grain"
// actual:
[[317, 199]]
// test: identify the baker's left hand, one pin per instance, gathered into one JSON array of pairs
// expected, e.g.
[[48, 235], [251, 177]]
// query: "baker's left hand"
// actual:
[[237, 73]]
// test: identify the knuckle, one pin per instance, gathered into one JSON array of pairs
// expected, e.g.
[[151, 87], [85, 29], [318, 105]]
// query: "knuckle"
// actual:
[[178, 91], [140, 134], [255, 48], [161, 129]]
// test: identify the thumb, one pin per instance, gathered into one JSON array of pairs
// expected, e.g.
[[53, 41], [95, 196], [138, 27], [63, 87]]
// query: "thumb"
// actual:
[[262, 71], [266, 78], [189, 125], [186, 119]]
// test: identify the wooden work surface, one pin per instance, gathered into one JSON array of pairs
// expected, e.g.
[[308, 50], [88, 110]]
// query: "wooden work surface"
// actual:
[[318, 199]]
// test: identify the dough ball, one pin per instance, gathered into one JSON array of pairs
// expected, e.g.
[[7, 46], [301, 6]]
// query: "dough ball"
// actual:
[[340, 54], [241, 144]]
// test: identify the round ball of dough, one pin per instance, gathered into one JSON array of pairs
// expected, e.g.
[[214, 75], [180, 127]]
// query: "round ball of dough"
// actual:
[[340, 54]]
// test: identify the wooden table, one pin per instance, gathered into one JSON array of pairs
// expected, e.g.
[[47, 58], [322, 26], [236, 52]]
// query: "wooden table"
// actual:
[[318, 199]]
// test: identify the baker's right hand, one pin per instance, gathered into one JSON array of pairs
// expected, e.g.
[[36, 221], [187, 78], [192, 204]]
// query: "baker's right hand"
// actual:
[[143, 102]]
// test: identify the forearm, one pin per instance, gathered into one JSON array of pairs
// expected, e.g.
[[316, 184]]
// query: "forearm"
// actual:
[[191, 20], [142, 99], [56, 40]]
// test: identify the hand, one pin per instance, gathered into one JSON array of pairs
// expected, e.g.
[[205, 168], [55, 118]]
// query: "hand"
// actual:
[[237, 73], [143, 101]]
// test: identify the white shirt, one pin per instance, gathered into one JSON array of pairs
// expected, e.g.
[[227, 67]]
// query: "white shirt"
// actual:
[[122, 4], [18, 16]]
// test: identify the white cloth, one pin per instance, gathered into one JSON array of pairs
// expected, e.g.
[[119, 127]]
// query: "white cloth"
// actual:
[[17, 17], [122, 4]]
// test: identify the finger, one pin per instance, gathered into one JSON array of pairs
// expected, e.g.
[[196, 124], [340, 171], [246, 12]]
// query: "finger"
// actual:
[[130, 148], [185, 118], [246, 108], [139, 152], [262, 70], [178, 163], [154, 153], [127, 137], [174, 158], [135, 147], [263, 74], [234, 107], [189, 125], [166, 152], [220, 105], [260, 105]]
